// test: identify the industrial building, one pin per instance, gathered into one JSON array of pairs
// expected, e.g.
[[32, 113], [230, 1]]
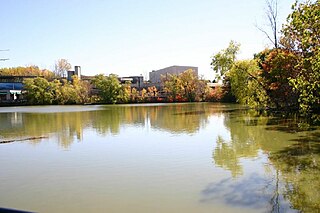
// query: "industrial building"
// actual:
[[76, 71], [135, 81]]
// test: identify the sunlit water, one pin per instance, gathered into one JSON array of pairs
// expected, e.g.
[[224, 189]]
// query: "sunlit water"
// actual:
[[156, 158]]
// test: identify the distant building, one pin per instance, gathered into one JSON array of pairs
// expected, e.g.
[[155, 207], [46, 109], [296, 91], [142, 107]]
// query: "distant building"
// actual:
[[77, 72], [11, 88], [155, 75], [135, 81]]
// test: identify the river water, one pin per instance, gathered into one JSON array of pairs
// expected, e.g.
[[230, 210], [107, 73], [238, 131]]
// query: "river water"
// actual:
[[157, 158]]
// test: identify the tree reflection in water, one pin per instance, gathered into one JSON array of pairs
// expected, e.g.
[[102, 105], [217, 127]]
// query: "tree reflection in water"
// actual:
[[293, 150], [68, 127], [300, 167]]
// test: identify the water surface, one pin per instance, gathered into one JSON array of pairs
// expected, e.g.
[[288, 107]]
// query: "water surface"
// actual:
[[157, 158]]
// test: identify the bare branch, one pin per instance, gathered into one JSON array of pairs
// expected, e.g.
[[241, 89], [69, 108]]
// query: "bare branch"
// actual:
[[61, 67], [266, 34], [272, 17]]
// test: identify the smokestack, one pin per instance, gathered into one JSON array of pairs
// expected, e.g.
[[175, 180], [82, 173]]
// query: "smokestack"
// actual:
[[77, 71]]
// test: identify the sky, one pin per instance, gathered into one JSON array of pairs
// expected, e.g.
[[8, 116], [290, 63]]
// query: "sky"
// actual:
[[130, 37]]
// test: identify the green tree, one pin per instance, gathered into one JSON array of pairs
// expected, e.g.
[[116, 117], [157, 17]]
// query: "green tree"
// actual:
[[245, 85], [223, 61], [109, 88], [41, 91], [69, 94], [301, 34], [58, 96], [38, 91]]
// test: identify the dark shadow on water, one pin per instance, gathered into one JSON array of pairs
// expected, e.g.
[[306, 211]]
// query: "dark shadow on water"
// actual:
[[303, 155], [284, 124], [289, 125], [313, 137], [289, 122]]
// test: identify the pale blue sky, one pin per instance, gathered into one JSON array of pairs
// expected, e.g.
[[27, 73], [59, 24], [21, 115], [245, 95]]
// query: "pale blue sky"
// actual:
[[129, 37]]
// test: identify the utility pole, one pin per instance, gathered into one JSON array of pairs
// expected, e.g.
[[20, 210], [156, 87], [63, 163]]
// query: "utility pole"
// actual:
[[4, 59]]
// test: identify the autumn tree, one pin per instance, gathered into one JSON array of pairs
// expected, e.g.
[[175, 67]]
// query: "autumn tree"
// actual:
[[82, 89], [193, 87], [143, 95], [185, 87], [264, 81], [152, 91], [277, 66], [301, 35], [125, 92], [61, 67], [172, 86], [134, 95], [31, 70]]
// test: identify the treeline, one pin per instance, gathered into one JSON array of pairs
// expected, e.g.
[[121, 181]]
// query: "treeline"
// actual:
[[48, 88], [287, 76], [27, 71], [186, 87], [41, 91]]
